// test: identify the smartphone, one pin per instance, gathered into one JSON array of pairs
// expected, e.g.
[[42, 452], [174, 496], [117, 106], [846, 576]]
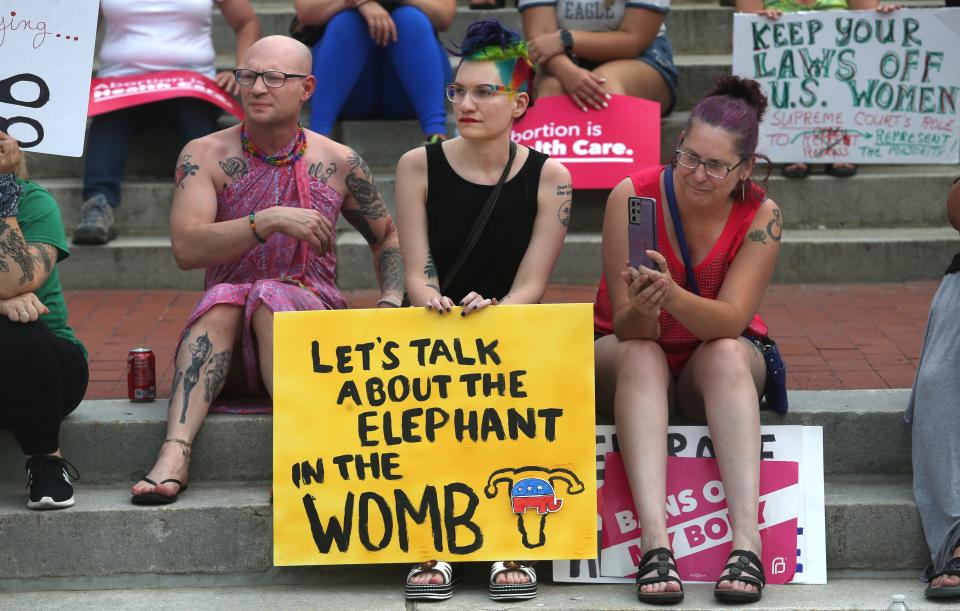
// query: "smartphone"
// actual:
[[642, 230]]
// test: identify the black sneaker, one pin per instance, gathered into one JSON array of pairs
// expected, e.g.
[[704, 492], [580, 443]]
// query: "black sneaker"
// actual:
[[96, 222], [48, 478]]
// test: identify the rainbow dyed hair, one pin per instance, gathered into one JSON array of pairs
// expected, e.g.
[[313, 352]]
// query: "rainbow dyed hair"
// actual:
[[488, 40]]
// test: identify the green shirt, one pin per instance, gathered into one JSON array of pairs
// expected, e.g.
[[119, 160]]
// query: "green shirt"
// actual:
[[792, 6], [40, 222]]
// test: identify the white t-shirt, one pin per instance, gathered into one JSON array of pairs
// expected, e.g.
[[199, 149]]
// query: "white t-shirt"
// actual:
[[595, 15], [156, 35]]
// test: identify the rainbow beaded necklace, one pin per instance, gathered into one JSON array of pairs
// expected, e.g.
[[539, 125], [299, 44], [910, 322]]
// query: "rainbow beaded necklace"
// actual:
[[280, 160]]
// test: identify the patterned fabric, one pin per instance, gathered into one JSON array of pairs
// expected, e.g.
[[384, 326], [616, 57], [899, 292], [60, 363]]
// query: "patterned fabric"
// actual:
[[793, 6], [676, 340], [283, 274]]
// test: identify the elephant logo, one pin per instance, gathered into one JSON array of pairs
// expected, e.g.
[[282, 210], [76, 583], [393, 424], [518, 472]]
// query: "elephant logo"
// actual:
[[533, 488]]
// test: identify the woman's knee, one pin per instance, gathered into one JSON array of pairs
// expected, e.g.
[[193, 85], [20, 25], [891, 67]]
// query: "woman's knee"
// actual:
[[721, 359], [346, 23], [641, 361], [549, 85], [411, 21], [221, 318]]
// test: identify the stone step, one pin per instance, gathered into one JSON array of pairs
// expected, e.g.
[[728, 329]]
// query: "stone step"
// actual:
[[224, 528], [876, 197], [839, 594], [116, 441], [807, 255]]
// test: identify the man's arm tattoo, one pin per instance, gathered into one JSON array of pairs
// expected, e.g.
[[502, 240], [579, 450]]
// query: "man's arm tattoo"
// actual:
[[44, 256], [235, 167], [185, 169], [216, 375], [359, 221], [565, 212], [391, 270], [318, 171], [13, 248], [361, 185], [774, 228]]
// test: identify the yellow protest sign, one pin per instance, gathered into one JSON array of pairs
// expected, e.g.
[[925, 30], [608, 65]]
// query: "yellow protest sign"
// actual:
[[404, 435]]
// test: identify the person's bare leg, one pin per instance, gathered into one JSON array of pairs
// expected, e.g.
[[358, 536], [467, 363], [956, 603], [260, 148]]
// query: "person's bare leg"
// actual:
[[547, 84], [634, 376], [263, 330], [201, 368], [723, 381], [634, 78]]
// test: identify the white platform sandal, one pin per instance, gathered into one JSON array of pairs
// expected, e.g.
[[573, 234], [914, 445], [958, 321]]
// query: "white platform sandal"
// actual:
[[512, 591], [431, 591]]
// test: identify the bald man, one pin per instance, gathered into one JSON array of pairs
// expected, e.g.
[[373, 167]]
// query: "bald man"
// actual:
[[256, 206]]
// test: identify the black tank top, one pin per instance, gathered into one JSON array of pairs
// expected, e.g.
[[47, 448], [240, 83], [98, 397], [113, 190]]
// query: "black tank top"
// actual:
[[453, 205]]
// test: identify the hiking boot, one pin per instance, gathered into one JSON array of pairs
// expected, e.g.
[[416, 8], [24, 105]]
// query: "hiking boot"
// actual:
[[96, 222], [48, 478]]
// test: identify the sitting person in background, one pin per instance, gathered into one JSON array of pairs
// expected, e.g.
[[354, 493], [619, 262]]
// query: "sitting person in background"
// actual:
[[145, 36], [441, 191], [247, 209], [686, 336], [43, 366], [589, 49], [772, 9], [934, 412], [379, 60]]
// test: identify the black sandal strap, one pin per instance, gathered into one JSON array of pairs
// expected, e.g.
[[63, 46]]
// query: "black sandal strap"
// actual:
[[656, 552], [661, 561], [952, 569], [748, 568], [658, 579]]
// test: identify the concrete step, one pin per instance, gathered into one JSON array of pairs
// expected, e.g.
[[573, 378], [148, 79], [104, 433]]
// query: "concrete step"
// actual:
[[829, 255], [876, 197], [116, 441], [221, 529], [838, 594]]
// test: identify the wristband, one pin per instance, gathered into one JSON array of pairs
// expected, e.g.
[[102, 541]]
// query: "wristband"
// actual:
[[10, 192], [253, 228], [389, 303]]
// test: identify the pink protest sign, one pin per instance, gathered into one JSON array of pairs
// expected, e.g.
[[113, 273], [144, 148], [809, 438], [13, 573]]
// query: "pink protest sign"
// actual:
[[109, 94], [599, 147], [697, 521]]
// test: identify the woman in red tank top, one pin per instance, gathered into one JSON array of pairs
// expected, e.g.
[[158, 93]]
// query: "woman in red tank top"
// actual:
[[671, 343]]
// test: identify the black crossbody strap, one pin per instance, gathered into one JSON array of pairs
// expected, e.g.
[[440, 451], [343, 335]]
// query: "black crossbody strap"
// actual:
[[480, 223]]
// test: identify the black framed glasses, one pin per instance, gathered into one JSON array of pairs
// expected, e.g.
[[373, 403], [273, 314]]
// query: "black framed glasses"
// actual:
[[479, 93], [714, 169], [271, 78]]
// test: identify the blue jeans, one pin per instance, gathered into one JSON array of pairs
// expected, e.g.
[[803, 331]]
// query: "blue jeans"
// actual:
[[110, 134], [356, 79]]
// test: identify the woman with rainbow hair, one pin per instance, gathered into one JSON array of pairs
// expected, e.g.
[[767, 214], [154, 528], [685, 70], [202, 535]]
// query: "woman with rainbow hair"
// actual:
[[442, 189]]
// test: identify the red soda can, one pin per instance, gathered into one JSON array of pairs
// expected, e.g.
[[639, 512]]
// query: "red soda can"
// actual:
[[141, 375]]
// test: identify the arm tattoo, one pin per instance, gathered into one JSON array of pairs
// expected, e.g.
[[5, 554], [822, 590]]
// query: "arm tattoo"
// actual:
[[564, 190], [216, 375], [565, 212], [758, 235], [774, 228], [13, 246], [391, 270], [185, 169], [430, 269], [361, 185], [199, 353], [359, 221], [323, 175], [43, 255], [235, 167]]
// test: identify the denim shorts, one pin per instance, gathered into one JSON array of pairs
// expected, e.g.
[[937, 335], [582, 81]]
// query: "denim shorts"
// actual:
[[659, 55]]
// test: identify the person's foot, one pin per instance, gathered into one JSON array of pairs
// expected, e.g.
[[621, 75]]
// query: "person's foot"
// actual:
[[752, 544], [172, 463], [512, 577], [947, 581], [427, 577], [662, 586], [96, 222], [796, 170], [841, 170], [48, 478]]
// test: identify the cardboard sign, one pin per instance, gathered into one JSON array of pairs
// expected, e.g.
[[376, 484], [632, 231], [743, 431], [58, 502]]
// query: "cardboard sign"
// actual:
[[109, 94], [619, 549], [855, 86], [599, 147], [698, 524], [46, 58], [404, 435]]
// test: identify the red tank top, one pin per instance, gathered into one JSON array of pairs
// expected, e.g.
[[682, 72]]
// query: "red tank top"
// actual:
[[676, 340]]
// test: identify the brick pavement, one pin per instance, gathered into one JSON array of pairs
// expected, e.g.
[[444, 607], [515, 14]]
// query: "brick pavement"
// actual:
[[833, 336]]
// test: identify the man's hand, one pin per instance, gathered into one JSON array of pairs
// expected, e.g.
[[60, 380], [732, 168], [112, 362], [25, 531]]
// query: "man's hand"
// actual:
[[227, 82], [307, 225], [22, 308], [9, 154], [545, 47], [383, 30]]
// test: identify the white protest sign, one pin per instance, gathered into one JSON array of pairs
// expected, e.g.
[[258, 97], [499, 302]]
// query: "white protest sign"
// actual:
[[46, 60], [855, 86], [800, 444]]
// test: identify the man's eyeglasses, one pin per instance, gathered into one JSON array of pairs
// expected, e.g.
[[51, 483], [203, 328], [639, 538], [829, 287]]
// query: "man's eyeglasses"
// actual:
[[478, 93], [714, 169], [271, 78]]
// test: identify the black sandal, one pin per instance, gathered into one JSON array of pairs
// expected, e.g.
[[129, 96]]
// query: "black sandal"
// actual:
[[945, 592], [665, 562], [748, 569]]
